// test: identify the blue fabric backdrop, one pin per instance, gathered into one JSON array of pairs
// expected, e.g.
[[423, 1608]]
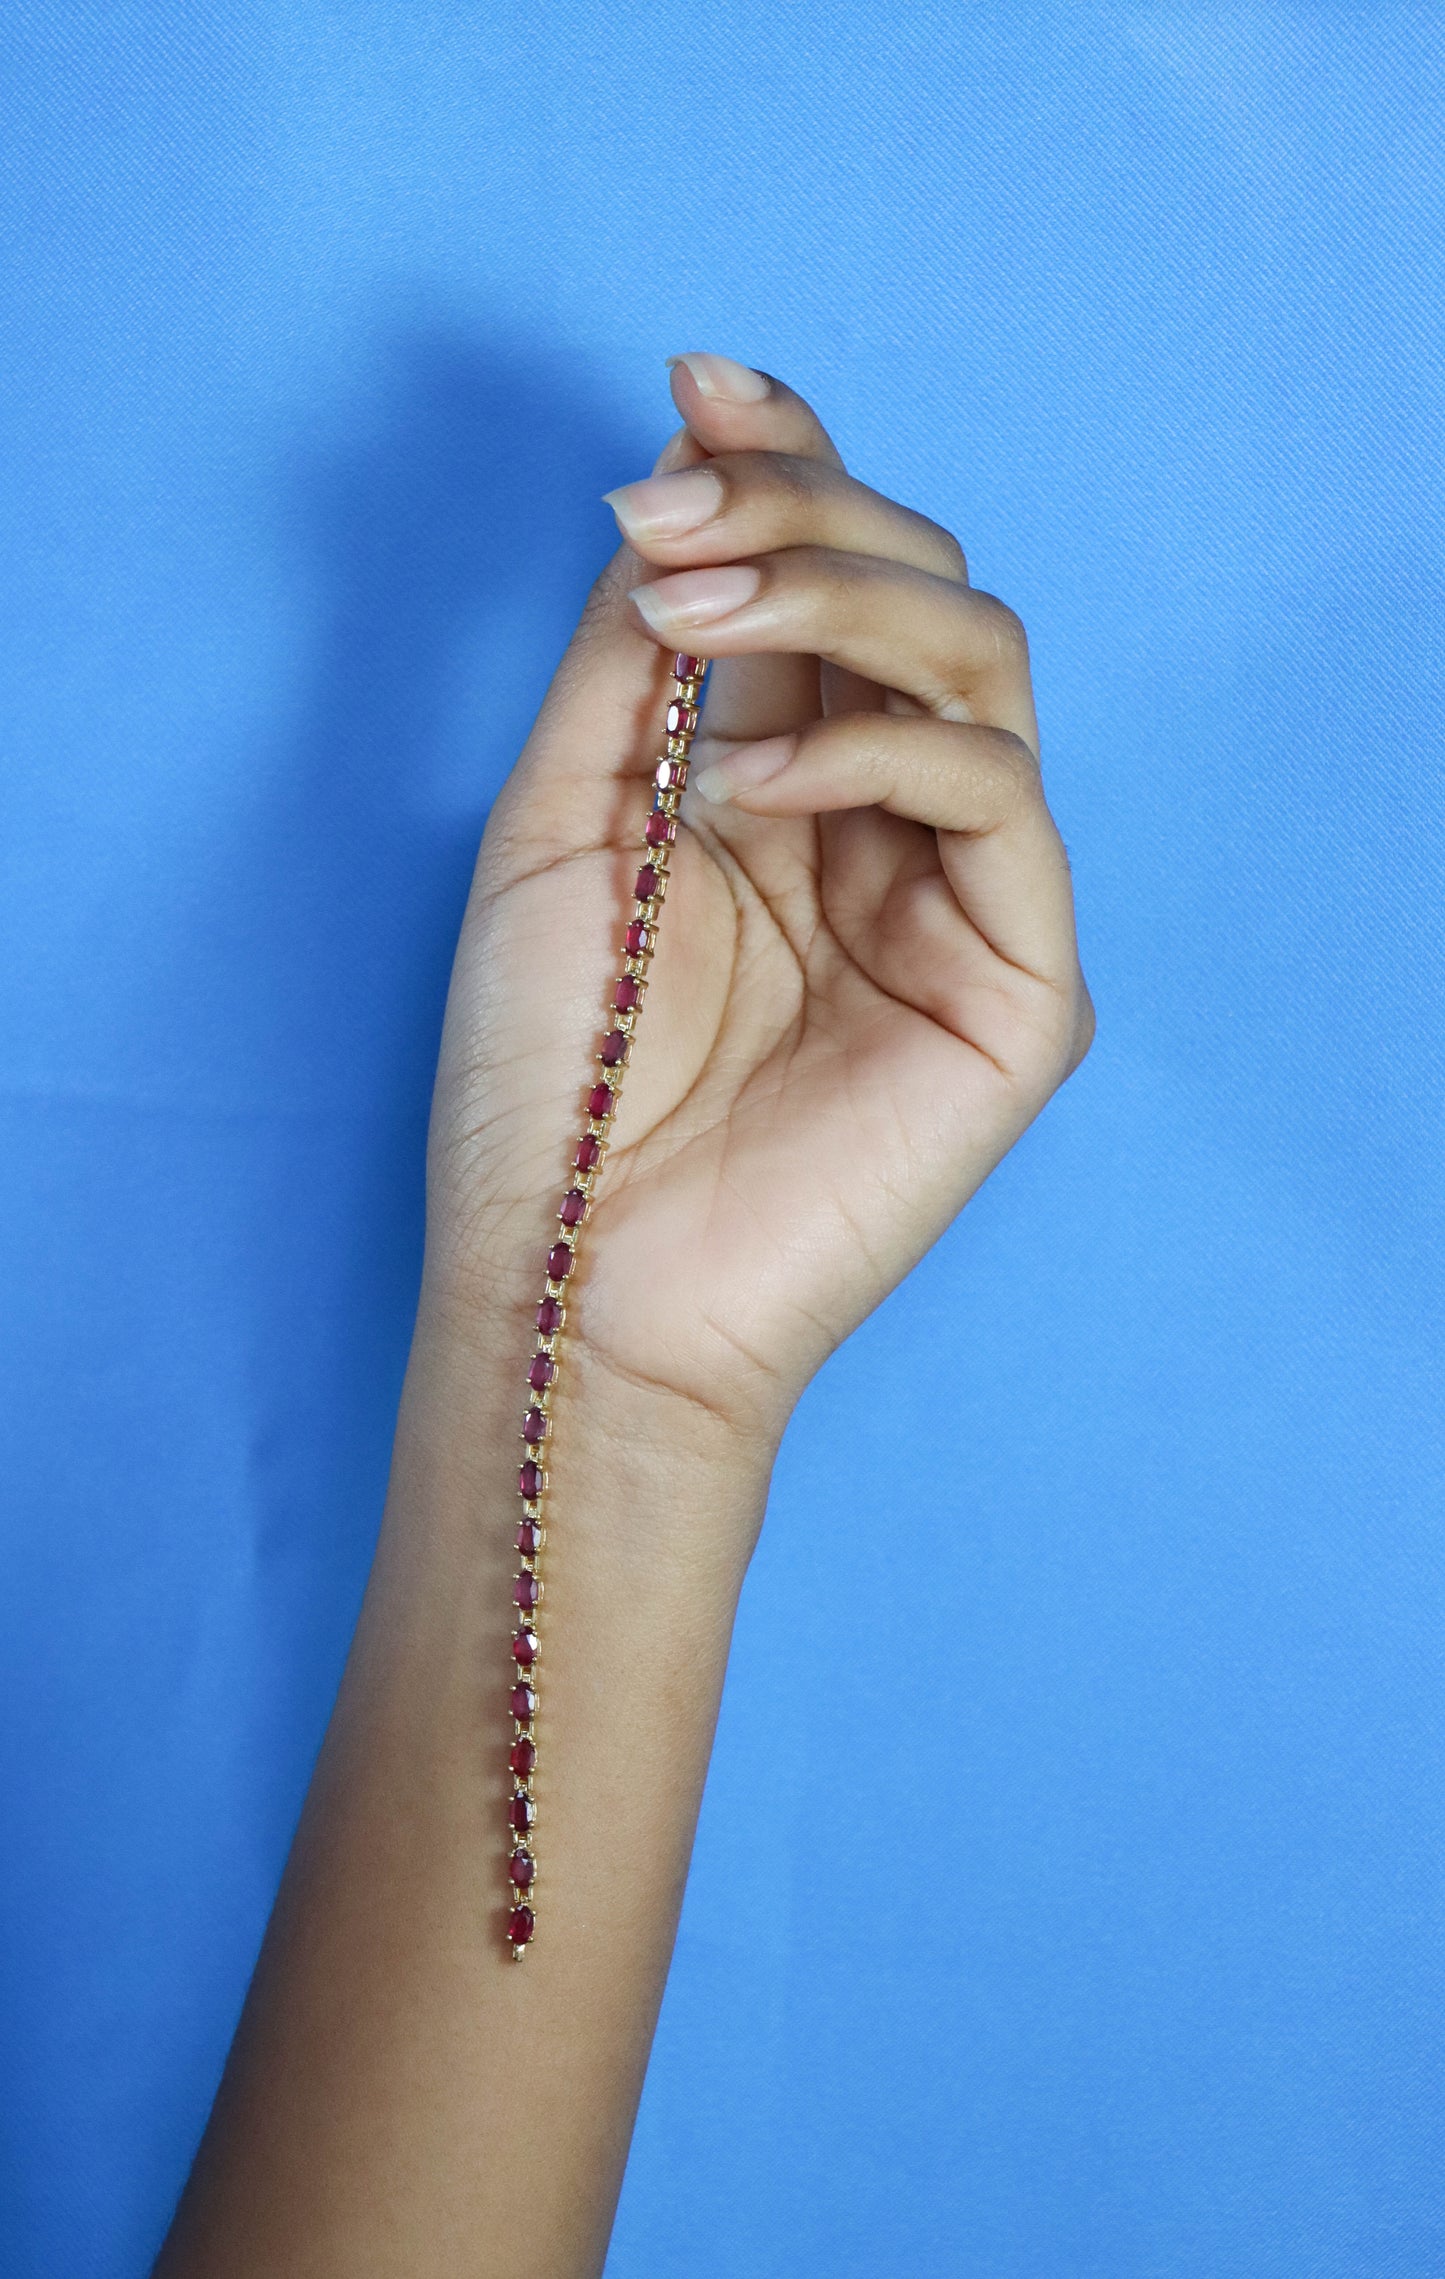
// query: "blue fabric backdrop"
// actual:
[[1068, 1897]]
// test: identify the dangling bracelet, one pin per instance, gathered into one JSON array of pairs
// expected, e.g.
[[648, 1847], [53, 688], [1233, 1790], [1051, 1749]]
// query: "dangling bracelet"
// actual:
[[638, 945]]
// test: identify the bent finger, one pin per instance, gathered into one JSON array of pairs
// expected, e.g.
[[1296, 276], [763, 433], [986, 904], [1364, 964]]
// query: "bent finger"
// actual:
[[960, 653], [976, 787], [756, 502]]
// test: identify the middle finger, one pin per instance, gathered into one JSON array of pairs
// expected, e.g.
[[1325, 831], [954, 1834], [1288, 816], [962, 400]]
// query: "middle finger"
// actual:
[[960, 653]]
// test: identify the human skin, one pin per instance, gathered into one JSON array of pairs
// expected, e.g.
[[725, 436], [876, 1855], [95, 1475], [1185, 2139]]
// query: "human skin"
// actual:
[[867, 986]]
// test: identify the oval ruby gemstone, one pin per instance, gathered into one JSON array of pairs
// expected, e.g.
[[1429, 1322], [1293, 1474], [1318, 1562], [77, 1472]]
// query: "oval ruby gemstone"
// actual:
[[529, 1481], [523, 1704], [599, 1102], [559, 1261], [543, 1368], [681, 720], [574, 1204], [685, 668], [534, 1427], [638, 939], [520, 1925], [526, 1590], [614, 1048], [523, 1757], [660, 828], [524, 1648], [646, 883], [523, 1868], [589, 1153], [521, 1812], [627, 994], [529, 1538]]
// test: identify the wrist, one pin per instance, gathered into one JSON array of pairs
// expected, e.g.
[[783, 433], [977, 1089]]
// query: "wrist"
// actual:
[[645, 1351], [656, 1473]]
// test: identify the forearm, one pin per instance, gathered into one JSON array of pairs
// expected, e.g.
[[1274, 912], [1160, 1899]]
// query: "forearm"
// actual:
[[402, 2096]]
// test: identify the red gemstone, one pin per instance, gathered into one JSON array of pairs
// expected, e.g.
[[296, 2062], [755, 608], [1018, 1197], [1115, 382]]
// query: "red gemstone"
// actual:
[[523, 1868], [627, 994], [599, 1102], [523, 1704], [543, 1368], [685, 668], [681, 720], [529, 1480], [660, 828], [520, 1925], [522, 1757], [574, 1203], [559, 1261], [526, 1590], [549, 1316], [589, 1153], [521, 1812], [646, 883], [637, 939], [614, 1048], [529, 1538], [671, 775], [524, 1648], [534, 1426]]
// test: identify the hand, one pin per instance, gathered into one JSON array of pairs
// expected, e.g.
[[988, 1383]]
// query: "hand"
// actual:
[[867, 983]]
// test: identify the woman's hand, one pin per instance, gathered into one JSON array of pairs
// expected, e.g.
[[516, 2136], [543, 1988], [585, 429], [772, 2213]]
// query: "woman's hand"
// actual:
[[866, 987], [867, 982]]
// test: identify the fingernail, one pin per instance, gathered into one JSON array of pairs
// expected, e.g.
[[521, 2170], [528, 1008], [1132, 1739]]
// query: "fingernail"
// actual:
[[665, 506], [742, 770], [696, 597], [720, 378]]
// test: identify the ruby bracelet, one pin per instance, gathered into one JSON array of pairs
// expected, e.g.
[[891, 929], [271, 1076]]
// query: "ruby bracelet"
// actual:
[[638, 945]]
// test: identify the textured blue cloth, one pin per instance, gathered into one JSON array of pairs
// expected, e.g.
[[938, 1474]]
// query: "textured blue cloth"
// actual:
[[1068, 1894]]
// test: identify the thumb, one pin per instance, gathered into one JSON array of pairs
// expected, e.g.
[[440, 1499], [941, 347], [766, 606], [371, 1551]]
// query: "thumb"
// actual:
[[600, 728]]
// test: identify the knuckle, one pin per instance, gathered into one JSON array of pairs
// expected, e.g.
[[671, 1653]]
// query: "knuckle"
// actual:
[[950, 551], [1014, 766], [830, 583], [1006, 630], [774, 479], [1018, 756], [1086, 1026], [793, 482], [1076, 1027], [1062, 1025]]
